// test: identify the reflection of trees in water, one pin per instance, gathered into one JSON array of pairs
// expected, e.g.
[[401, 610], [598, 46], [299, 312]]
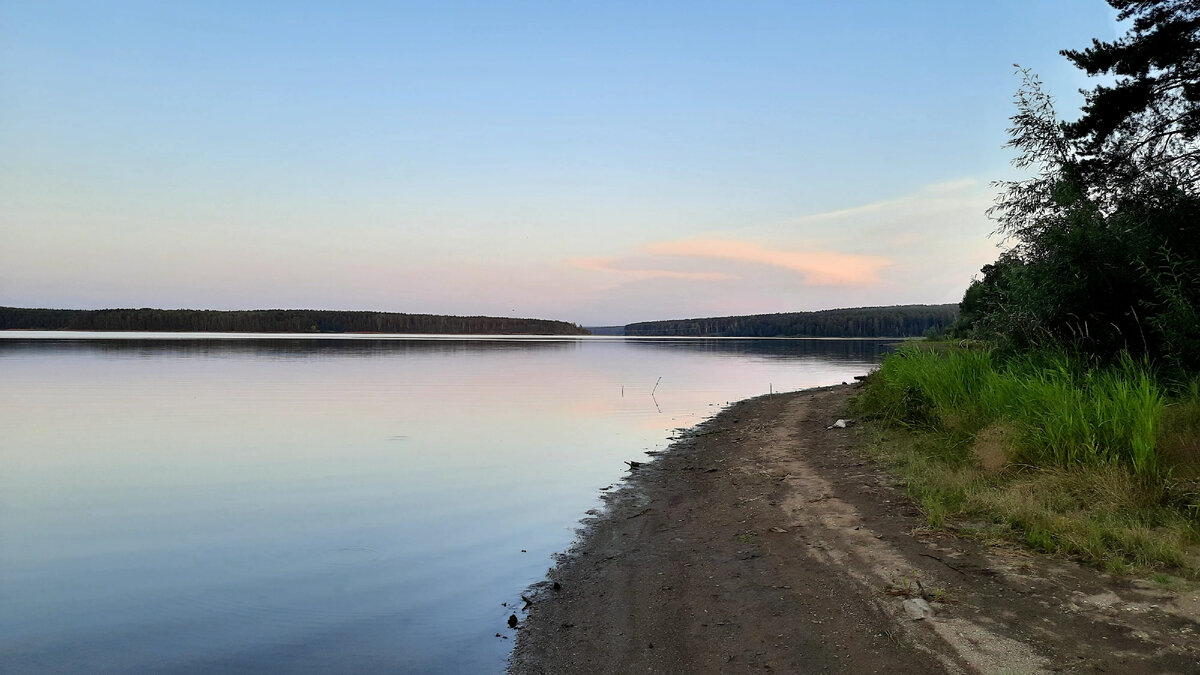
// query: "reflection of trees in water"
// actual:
[[835, 350], [280, 347]]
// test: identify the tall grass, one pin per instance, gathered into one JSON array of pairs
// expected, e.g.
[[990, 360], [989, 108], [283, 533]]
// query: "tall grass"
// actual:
[[1066, 413], [1093, 461]]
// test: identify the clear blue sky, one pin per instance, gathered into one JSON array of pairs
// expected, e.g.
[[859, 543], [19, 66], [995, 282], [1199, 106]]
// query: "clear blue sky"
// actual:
[[599, 162]]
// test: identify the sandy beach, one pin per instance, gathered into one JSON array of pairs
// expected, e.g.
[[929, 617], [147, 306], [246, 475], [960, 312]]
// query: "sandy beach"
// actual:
[[764, 540]]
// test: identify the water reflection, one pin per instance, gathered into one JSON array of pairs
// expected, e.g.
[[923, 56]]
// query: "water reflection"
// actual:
[[371, 346], [277, 346], [365, 505], [847, 350]]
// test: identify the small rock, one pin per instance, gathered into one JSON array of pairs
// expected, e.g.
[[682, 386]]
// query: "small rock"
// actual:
[[512, 620], [917, 609]]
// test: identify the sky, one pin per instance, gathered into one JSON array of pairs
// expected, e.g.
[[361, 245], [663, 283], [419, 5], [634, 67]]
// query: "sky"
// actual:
[[595, 162]]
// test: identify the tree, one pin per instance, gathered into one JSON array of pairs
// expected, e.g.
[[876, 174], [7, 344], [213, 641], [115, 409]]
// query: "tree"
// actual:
[[1105, 253], [1148, 121]]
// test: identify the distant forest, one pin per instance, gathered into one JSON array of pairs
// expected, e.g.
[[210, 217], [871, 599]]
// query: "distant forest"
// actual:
[[274, 321], [606, 330], [895, 321]]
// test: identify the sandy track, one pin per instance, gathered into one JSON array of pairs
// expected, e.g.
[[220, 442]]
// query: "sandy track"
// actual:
[[765, 541]]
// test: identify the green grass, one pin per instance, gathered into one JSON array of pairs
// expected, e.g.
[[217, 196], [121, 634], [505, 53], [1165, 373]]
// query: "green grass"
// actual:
[[1066, 414], [1179, 433], [1098, 463]]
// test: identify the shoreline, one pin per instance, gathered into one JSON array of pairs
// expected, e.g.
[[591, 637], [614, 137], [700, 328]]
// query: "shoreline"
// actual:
[[51, 333], [762, 539]]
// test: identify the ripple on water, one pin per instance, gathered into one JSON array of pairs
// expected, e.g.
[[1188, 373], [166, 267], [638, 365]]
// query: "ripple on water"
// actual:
[[348, 556]]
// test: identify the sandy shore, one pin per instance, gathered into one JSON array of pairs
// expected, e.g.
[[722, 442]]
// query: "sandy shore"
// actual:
[[764, 541]]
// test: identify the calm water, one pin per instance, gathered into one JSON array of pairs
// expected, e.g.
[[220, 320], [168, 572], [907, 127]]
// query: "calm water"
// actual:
[[315, 505]]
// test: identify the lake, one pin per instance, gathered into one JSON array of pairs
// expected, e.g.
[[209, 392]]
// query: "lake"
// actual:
[[196, 503]]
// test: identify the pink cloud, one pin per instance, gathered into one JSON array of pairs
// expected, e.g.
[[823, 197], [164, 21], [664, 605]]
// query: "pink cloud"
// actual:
[[821, 268]]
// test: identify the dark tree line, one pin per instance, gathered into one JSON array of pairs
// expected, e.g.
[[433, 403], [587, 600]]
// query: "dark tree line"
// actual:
[[274, 321], [896, 321], [1106, 254]]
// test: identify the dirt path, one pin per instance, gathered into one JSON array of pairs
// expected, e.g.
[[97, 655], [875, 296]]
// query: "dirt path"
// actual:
[[765, 541]]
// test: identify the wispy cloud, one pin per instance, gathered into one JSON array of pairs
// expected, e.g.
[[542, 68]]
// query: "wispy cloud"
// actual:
[[952, 186], [820, 268], [919, 247], [623, 268], [936, 197]]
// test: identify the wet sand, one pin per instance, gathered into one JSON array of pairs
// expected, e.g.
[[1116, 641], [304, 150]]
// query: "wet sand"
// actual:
[[765, 541]]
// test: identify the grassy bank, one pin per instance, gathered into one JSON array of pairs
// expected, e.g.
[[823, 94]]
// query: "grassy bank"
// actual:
[[1102, 463]]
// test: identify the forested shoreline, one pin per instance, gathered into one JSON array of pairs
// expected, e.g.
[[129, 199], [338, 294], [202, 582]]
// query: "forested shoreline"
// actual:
[[893, 321], [274, 321]]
